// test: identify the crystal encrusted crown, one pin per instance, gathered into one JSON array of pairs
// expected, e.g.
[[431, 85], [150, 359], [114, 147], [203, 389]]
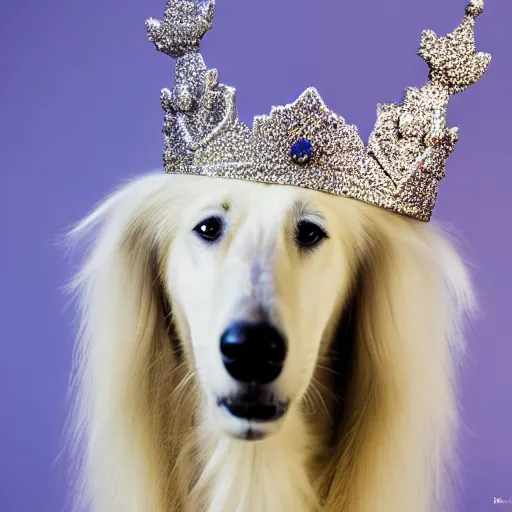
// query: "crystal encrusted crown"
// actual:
[[306, 144]]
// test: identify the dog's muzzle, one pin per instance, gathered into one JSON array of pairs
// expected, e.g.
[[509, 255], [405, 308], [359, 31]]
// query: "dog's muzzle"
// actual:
[[253, 354]]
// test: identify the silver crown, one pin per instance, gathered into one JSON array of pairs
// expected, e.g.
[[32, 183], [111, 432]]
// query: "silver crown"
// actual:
[[306, 144]]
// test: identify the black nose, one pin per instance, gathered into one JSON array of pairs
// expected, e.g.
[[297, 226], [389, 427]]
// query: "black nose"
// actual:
[[253, 352]]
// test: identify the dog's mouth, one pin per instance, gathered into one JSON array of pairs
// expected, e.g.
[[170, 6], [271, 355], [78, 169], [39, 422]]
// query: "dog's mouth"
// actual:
[[252, 416], [254, 409], [254, 405]]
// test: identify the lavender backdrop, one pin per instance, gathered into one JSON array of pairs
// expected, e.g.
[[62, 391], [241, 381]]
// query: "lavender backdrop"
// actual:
[[79, 112]]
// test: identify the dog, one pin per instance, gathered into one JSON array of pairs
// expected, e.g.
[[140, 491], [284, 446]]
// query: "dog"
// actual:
[[246, 347]]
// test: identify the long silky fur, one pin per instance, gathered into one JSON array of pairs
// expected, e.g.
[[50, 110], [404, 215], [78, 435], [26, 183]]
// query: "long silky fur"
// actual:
[[381, 432]]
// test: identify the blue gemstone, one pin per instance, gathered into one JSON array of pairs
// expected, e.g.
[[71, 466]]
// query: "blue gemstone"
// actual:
[[302, 152]]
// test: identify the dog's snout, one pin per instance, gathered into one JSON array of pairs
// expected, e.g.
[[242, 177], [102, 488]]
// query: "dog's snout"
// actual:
[[253, 352]]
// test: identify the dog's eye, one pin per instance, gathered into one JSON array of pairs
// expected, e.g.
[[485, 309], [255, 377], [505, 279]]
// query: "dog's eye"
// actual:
[[209, 229], [309, 234]]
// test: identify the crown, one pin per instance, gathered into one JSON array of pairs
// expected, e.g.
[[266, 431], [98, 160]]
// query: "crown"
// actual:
[[305, 143]]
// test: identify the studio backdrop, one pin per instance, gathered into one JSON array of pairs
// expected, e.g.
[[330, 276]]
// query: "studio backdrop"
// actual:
[[80, 114]]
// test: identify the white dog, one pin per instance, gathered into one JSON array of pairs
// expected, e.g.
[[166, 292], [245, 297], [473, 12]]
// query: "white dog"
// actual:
[[263, 348]]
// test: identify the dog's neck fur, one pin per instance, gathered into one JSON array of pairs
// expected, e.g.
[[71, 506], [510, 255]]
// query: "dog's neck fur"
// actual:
[[272, 474]]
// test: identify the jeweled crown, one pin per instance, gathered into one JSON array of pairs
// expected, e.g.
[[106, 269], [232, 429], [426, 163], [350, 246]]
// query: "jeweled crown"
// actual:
[[306, 144]]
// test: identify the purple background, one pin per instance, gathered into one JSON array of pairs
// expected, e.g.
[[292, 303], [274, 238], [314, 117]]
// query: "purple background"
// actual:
[[79, 112]]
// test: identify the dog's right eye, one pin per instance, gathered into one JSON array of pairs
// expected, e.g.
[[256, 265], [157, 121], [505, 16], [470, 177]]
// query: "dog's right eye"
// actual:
[[309, 234], [209, 229]]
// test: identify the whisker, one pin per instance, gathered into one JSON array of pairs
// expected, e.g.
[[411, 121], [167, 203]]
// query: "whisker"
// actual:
[[181, 386], [329, 369], [335, 397], [321, 400], [308, 401]]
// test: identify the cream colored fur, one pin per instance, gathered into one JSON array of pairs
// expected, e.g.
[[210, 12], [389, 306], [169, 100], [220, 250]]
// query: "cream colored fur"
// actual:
[[153, 300]]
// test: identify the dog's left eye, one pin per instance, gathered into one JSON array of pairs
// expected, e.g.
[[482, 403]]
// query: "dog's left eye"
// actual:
[[309, 234], [209, 229]]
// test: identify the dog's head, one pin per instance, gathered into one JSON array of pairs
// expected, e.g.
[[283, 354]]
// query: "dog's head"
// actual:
[[256, 276], [228, 305]]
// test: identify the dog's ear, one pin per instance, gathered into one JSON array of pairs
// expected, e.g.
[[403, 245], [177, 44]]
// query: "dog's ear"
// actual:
[[126, 366], [395, 435]]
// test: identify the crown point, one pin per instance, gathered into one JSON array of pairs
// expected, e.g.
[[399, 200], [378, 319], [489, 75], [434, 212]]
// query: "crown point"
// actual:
[[484, 59], [207, 10], [312, 97], [182, 28], [475, 8]]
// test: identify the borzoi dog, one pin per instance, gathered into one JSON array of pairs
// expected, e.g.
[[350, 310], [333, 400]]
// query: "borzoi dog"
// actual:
[[270, 326], [247, 347]]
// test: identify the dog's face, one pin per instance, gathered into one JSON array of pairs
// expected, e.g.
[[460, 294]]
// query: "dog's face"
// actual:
[[257, 276]]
